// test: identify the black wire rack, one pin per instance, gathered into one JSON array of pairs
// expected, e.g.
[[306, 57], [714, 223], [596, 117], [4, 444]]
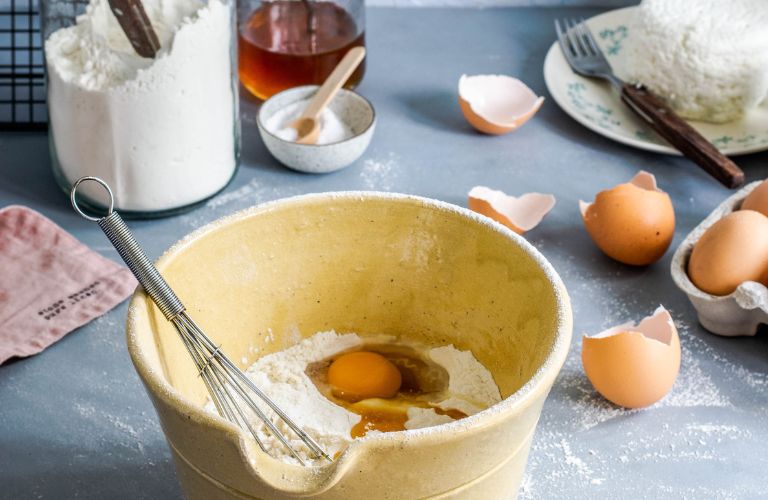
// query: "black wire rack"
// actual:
[[22, 72]]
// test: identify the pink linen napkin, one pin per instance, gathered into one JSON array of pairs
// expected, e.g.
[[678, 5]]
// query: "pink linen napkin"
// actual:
[[50, 283]]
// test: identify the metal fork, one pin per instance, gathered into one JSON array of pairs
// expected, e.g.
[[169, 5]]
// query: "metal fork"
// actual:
[[585, 58]]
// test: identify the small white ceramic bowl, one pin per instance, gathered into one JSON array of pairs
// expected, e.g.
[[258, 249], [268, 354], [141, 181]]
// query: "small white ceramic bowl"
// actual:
[[353, 109]]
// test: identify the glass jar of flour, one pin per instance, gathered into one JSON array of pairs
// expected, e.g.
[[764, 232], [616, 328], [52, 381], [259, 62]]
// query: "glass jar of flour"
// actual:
[[164, 133]]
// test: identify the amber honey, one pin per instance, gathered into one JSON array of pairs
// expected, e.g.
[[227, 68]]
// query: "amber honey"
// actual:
[[287, 43]]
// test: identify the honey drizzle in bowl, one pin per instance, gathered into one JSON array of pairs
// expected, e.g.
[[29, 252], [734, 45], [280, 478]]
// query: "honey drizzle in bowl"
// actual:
[[423, 384]]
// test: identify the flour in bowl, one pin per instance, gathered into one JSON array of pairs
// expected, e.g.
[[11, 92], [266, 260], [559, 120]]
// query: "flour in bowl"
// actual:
[[299, 380]]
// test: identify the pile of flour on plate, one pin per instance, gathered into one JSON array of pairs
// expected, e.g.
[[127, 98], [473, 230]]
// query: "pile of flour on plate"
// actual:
[[707, 58], [281, 376], [162, 132]]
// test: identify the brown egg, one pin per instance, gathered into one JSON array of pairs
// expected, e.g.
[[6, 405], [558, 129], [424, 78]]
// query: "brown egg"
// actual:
[[633, 223], [757, 200], [496, 104], [634, 365], [733, 250]]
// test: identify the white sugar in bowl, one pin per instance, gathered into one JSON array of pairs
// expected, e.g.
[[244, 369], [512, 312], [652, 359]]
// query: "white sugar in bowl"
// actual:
[[352, 109]]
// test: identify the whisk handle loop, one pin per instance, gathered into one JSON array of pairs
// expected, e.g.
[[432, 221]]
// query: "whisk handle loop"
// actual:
[[125, 243]]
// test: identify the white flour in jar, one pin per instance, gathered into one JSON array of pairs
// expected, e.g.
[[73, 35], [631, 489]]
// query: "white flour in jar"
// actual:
[[161, 131]]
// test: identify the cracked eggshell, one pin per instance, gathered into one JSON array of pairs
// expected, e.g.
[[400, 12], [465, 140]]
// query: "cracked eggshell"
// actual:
[[519, 214], [633, 223], [634, 365], [737, 314], [496, 104]]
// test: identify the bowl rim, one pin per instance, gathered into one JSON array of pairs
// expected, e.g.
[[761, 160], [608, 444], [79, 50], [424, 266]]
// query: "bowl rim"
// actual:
[[540, 382], [260, 118]]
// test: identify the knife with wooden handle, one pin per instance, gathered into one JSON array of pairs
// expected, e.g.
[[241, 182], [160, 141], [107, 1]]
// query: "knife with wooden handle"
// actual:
[[681, 135]]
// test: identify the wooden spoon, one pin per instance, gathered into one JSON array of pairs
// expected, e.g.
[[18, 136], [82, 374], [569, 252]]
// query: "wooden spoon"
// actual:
[[307, 125]]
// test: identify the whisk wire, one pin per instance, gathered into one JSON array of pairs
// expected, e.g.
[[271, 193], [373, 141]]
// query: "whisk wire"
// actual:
[[293, 426], [225, 404], [306, 438], [222, 405], [236, 379]]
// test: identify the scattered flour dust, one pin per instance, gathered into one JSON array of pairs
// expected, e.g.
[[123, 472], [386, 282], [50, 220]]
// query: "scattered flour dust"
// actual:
[[281, 376], [254, 192], [380, 174], [577, 422], [232, 196]]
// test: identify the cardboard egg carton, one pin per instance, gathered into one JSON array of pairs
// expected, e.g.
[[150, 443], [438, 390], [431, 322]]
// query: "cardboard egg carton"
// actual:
[[737, 314]]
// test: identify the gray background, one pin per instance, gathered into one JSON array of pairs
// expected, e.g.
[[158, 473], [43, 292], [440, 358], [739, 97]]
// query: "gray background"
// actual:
[[75, 422]]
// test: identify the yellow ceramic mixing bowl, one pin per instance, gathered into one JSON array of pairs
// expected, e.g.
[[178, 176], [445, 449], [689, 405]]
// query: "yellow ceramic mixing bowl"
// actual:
[[370, 263]]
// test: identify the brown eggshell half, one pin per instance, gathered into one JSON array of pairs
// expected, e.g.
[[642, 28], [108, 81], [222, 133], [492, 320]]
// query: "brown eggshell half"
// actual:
[[633, 223], [519, 214], [496, 104], [634, 365]]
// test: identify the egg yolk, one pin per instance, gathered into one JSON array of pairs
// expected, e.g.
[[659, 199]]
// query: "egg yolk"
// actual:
[[379, 421], [362, 375]]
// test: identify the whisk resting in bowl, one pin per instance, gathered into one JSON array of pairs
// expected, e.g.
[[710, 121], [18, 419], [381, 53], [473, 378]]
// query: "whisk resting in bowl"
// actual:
[[230, 389]]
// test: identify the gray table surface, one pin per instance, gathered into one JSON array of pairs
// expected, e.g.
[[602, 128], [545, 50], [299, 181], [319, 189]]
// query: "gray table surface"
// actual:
[[75, 422]]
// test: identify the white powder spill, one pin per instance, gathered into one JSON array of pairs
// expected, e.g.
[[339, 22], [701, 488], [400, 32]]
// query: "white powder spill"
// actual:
[[233, 196], [250, 194], [130, 431], [586, 447], [380, 174], [108, 331]]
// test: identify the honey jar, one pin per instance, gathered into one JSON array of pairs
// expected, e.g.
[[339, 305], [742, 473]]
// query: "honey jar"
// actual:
[[289, 43]]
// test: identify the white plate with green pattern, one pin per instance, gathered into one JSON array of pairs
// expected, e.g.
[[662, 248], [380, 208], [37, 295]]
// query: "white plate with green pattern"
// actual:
[[594, 104]]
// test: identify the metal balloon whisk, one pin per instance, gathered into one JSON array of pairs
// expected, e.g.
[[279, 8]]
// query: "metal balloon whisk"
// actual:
[[230, 389]]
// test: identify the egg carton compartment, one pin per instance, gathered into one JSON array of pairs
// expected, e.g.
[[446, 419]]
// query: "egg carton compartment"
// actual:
[[738, 314]]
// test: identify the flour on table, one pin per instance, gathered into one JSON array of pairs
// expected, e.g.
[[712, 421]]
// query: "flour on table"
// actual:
[[586, 447], [380, 174]]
